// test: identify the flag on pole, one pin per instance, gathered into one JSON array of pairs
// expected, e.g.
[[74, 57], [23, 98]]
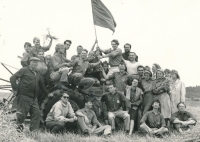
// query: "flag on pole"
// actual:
[[102, 16]]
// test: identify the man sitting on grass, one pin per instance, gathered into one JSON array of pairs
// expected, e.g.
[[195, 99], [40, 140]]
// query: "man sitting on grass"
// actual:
[[153, 122], [88, 123], [61, 115], [182, 120]]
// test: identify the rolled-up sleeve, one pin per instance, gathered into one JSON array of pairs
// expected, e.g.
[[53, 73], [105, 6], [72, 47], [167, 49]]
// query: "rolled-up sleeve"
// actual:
[[173, 117], [191, 116]]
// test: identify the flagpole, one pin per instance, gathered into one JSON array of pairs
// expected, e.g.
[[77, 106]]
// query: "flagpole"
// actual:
[[93, 22]]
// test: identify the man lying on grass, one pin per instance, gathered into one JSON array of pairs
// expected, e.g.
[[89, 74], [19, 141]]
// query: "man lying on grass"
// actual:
[[182, 120], [88, 123], [61, 115], [153, 122]]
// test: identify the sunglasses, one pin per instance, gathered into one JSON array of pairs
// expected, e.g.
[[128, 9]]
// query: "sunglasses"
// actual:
[[66, 97]]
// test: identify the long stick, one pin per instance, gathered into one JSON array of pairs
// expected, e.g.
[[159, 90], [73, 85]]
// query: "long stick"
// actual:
[[93, 22]]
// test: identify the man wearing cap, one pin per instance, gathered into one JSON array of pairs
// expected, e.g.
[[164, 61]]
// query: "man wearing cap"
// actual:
[[37, 46], [27, 93], [115, 56], [182, 119], [153, 122], [61, 115]]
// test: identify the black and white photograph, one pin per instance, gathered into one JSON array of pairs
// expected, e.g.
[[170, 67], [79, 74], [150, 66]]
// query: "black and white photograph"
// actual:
[[99, 70]]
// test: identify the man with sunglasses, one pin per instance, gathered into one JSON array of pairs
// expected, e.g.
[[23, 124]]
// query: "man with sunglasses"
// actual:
[[61, 115]]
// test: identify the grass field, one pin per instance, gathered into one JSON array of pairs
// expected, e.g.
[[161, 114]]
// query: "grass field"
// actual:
[[8, 132]]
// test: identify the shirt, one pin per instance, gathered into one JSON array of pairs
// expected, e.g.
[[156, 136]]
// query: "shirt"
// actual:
[[35, 50], [125, 55], [120, 80], [29, 83], [131, 67], [57, 59], [25, 59], [91, 117], [115, 56], [147, 85], [160, 85], [75, 57], [153, 120], [60, 111], [42, 67], [182, 116], [115, 101]]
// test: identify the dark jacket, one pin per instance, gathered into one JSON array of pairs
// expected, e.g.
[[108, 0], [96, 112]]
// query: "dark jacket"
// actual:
[[29, 83]]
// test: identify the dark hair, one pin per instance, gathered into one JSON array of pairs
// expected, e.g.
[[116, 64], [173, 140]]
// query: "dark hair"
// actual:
[[27, 44], [148, 68], [68, 41], [87, 99], [115, 41], [128, 45], [40, 50], [167, 71], [108, 86], [85, 50], [176, 73], [105, 62], [140, 66], [131, 78], [181, 103], [157, 101], [157, 66]]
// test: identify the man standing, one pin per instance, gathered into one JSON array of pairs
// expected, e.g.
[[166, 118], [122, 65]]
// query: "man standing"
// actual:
[[127, 49], [115, 57], [37, 46], [79, 68], [27, 91], [131, 63], [78, 56], [182, 120], [114, 101], [153, 122], [67, 44], [88, 123], [61, 115]]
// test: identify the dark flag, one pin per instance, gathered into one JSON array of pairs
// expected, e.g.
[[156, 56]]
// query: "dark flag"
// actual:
[[102, 16]]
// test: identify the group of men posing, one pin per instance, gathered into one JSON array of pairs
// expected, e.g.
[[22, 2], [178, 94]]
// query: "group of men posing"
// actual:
[[127, 86]]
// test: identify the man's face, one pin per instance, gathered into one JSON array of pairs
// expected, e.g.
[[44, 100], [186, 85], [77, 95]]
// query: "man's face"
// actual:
[[135, 83], [33, 65], [159, 74], [114, 45], [40, 55], [65, 98], [111, 88], [132, 57], [89, 104], [37, 42], [61, 50], [140, 71], [79, 50], [167, 74], [154, 69], [121, 68], [83, 54], [105, 67], [181, 107], [173, 76], [27, 48], [146, 76], [127, 48], [67, 45], [156, 105]]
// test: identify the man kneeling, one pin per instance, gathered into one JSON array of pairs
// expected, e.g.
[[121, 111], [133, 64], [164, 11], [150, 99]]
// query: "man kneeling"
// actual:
[[61, 115], [182, 120], [88, 123], [153, 122]]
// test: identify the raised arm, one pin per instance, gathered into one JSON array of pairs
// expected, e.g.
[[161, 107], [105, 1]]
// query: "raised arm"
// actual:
[[94, 45], [46, 48]]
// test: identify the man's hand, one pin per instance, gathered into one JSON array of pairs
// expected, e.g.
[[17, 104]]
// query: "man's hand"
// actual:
[[14, 93], [75, 118], [100, 57], [50, 95]]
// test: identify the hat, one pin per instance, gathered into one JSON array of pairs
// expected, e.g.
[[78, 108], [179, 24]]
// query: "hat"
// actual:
[[34, 59], [149, 72]]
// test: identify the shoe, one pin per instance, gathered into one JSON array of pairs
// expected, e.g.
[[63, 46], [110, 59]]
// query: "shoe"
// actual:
[[86, 133], [20, 128]]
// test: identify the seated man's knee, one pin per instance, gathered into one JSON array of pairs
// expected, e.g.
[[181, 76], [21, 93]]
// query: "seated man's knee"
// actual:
[[126, 115], [177, 125], [61, 124], [111, 116]]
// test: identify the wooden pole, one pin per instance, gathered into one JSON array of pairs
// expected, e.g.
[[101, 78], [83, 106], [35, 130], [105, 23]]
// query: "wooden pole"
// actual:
[[93, 21]]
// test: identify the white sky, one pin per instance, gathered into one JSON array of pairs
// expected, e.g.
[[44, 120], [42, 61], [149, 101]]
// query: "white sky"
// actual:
[[166, 32]]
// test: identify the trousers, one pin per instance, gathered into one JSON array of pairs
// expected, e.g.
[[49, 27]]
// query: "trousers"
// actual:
[[29, 105], [105, 130], [120, 114]]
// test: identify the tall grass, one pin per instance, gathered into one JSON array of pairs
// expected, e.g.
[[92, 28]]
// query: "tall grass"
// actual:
[[8, 133]]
